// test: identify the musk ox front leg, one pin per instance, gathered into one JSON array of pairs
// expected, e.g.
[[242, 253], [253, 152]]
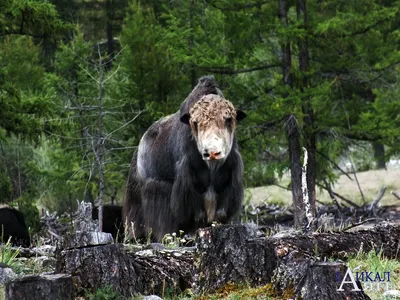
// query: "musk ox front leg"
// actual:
[[186, 203], [231, 197], [157, 215]]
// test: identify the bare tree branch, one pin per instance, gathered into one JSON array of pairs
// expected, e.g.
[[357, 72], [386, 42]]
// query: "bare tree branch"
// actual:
[[230, 71], [357, 224], [236, 7], [375, 201], [335, 164], [356, 178], [396, 194], [123, 126], [327, 188]]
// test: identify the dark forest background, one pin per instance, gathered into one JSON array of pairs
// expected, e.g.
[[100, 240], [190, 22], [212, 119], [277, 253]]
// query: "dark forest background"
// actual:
[[80, 81]]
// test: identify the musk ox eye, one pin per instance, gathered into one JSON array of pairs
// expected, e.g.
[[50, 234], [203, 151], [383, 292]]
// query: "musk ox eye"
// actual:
[[195, 126]]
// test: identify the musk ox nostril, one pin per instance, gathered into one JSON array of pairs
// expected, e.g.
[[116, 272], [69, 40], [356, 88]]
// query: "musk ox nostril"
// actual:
[[206, 155], [214, 155]]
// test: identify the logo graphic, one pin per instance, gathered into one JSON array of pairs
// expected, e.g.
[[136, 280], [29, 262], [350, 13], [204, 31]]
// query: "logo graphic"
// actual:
[[369, 280]]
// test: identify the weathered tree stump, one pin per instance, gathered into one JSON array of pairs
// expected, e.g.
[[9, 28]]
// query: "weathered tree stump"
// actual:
[[44, 287], [97, 266], [146, 272], [232, 254], [6, 273], [320, 282], [163, 272]]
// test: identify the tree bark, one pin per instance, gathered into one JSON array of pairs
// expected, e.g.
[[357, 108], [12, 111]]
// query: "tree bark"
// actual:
[[193, 76], [310, 137], [98, 149], [232, 254], [110, 37], [292, 130], [320, 282], [379, 155]]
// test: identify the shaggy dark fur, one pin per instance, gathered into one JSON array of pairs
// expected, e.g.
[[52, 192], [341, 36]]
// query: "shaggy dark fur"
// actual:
[[112, 220], [12, 224], [166, 186]]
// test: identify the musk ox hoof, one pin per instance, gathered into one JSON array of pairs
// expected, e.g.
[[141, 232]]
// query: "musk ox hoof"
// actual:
[[200, 216], [221, 215]]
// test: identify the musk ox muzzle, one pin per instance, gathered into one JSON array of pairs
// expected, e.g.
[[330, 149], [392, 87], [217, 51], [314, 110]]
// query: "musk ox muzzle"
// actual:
[[213, 122]]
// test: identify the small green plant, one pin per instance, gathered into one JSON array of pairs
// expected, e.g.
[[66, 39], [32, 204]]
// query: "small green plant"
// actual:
[[129, 233], [8, 255], [2, 292], [105, 293], [173, 240], [276, 201]]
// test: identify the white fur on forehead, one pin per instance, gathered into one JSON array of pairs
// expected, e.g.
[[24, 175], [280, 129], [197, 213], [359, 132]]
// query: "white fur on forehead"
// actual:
[[211, 107]]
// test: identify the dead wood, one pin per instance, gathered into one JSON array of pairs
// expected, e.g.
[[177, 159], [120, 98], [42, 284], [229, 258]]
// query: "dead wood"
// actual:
[[396, 194], [353, 225], [373, 207], [148, 271], [237, 254], [319, 281], [232, 254], [44, 287], [331, 192], [226, 253]]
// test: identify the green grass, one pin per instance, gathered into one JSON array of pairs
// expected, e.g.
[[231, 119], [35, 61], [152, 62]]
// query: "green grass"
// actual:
[[376, 263], [105, 293], [8, 255]]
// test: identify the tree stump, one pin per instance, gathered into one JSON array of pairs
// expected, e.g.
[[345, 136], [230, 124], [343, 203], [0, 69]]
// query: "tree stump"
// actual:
[[44, 287], [320, 282], [232, 254], [163, 272], [97, 266], [6, 273], [146, 272]]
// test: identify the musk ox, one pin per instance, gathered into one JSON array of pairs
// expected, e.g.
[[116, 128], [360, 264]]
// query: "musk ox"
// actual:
[[112, 220], [12, 224], [187, 171]]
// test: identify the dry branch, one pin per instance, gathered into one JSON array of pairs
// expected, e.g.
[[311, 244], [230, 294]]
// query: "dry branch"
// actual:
[[396, 194], [330, 191], [375, 202]]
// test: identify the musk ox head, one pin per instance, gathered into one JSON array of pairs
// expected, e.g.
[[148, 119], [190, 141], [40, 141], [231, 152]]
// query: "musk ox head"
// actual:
[[213, 121]]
